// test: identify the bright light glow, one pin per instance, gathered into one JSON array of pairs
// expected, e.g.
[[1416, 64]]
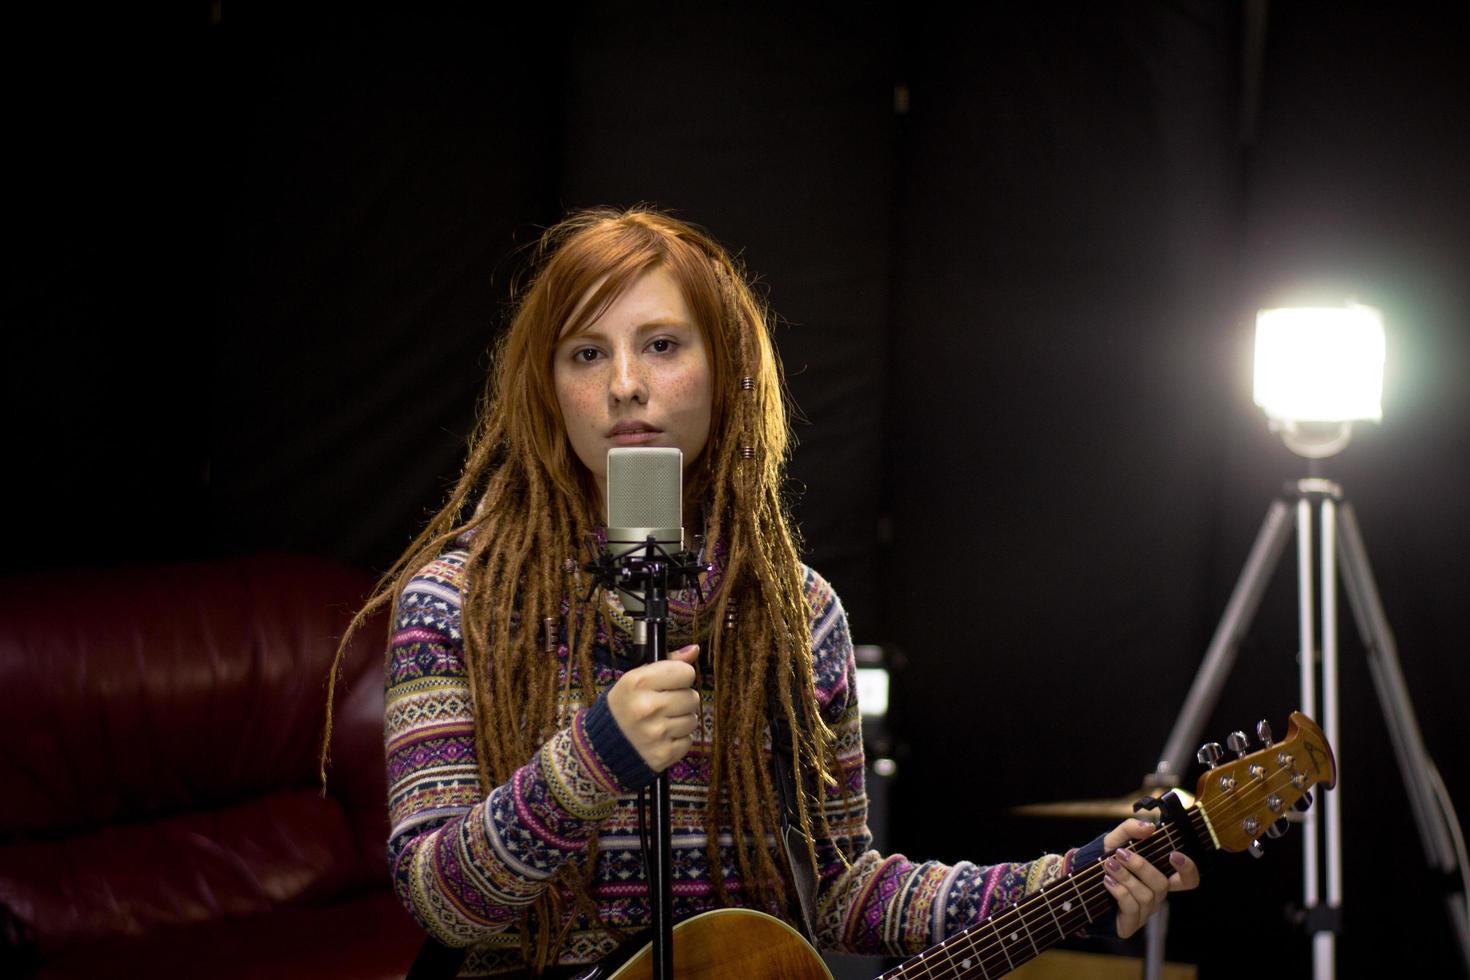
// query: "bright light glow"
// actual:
[[872, 691], [1320, 364]]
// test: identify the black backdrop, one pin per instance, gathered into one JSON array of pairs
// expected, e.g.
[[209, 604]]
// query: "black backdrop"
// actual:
[[258, 261]]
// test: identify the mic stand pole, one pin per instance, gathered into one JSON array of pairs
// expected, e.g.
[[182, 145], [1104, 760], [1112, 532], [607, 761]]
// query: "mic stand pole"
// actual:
[[651, 633], [646, 571]]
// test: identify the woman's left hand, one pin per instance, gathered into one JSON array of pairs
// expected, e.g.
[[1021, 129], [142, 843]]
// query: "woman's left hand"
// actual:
[[1137, 885]]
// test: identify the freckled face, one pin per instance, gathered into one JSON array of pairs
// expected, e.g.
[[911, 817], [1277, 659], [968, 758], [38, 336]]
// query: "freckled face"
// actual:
[[639, 375]]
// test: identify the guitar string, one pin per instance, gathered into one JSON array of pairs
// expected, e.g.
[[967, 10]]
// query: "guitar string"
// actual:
[[1229, 809], [983, 949], [979, 951], [1153, 846]]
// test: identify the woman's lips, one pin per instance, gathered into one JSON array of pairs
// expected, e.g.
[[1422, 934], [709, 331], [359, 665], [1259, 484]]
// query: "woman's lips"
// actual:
[[633, 435]]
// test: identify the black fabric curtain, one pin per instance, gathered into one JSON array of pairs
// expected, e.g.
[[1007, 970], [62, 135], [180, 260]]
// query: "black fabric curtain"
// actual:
[[1015, 255]]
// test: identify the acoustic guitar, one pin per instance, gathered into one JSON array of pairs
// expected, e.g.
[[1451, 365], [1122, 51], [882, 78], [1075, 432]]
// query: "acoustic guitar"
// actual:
[[1235, 804]]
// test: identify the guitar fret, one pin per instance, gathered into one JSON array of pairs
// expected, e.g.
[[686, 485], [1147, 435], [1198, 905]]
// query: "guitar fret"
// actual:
[[1021, 914], [1011, 941], [1001, 939], [960, 952], [970, 961], [1046, 900], [1080, 900]]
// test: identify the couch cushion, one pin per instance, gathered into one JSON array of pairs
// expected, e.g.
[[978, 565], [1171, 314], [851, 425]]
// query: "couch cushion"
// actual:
[[163, 726], [287, 848], [368, 937], [138, 693]]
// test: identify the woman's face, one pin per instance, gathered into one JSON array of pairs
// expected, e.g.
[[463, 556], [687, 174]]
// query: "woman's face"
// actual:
[[639, 375]]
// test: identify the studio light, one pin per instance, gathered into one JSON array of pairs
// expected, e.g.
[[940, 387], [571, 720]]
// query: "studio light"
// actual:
[[1319, 370]]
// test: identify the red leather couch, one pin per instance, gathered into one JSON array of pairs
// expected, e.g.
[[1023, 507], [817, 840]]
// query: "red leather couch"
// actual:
[[159, 804]]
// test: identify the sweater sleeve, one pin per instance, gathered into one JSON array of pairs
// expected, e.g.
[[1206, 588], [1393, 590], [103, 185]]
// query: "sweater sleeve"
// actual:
[[888, 905], [464, 866]]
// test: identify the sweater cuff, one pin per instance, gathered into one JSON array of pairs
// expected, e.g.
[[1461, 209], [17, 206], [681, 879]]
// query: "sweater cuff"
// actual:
[[613, 749], [1088, 854]]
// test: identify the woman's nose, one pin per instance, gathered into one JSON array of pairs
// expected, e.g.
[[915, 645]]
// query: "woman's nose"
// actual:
[[628, 382]]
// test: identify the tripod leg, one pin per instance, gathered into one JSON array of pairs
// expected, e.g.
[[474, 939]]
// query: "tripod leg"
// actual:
[[1398, 713], [1220, 657], [1393, 693], [1329, 811], [1213, 670]]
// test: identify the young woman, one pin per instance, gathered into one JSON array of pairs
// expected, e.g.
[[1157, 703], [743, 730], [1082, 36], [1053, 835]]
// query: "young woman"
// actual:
[[518, 733]]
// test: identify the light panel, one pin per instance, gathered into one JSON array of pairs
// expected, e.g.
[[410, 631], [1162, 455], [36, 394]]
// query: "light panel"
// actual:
[[872, 691], [1320, 364]]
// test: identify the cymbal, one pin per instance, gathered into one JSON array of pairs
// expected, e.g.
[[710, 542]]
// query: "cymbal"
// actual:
[[1118, 807]]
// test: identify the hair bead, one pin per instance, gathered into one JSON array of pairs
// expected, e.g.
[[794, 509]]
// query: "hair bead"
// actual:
[[747, 383], [747, 452]]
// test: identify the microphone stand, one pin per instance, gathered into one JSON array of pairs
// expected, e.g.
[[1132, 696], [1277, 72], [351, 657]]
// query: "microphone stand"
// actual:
[[648, 569]]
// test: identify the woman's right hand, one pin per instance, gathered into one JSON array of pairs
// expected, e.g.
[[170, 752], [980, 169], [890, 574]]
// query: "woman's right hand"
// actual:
[[657, 707]]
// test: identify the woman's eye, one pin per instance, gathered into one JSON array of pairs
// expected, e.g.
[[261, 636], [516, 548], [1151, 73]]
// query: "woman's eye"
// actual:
[[662, 345], [585, 354]]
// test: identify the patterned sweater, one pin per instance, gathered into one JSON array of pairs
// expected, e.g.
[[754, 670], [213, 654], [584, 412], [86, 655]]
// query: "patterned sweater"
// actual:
[[466, 865]]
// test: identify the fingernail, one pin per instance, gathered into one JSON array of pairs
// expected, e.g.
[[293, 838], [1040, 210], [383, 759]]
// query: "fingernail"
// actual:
[[1177, 859], [1111, 864], [1111, 881], [1125, 854]]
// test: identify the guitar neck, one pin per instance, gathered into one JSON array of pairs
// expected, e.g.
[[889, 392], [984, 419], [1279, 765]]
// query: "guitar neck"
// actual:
[[1061, 910], [1236, 802]]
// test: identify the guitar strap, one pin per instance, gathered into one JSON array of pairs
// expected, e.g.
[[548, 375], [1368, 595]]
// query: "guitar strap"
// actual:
[[793, 841]]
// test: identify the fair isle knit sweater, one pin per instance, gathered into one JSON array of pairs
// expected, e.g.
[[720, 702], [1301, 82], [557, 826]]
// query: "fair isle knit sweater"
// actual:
[[466, 865]]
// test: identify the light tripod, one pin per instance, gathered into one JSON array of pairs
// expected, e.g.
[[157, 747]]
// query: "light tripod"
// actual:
[[1337, 548]]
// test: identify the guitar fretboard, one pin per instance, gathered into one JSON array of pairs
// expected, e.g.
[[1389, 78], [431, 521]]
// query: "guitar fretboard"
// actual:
[[1239, 800], [1017, 935]]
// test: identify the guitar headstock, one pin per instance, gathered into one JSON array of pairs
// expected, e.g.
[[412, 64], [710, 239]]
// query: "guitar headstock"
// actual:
[[1242, 799]]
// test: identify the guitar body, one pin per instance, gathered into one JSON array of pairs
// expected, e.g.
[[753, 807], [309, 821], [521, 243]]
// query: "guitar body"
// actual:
[[732, 944]]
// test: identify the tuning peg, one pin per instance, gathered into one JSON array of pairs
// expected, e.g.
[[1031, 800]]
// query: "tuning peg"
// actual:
[[1303, 804], [1263, 732], [1209, 754], [1256, 849], [1277, 830], [1238, 743]]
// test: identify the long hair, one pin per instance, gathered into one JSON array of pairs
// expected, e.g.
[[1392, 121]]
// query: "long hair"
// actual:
[[530, 505]]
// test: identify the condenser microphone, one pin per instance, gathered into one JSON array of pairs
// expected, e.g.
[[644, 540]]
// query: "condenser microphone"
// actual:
[[645, 498]]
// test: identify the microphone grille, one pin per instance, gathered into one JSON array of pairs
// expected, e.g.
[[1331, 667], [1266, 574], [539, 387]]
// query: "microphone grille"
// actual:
[[645, 487]]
